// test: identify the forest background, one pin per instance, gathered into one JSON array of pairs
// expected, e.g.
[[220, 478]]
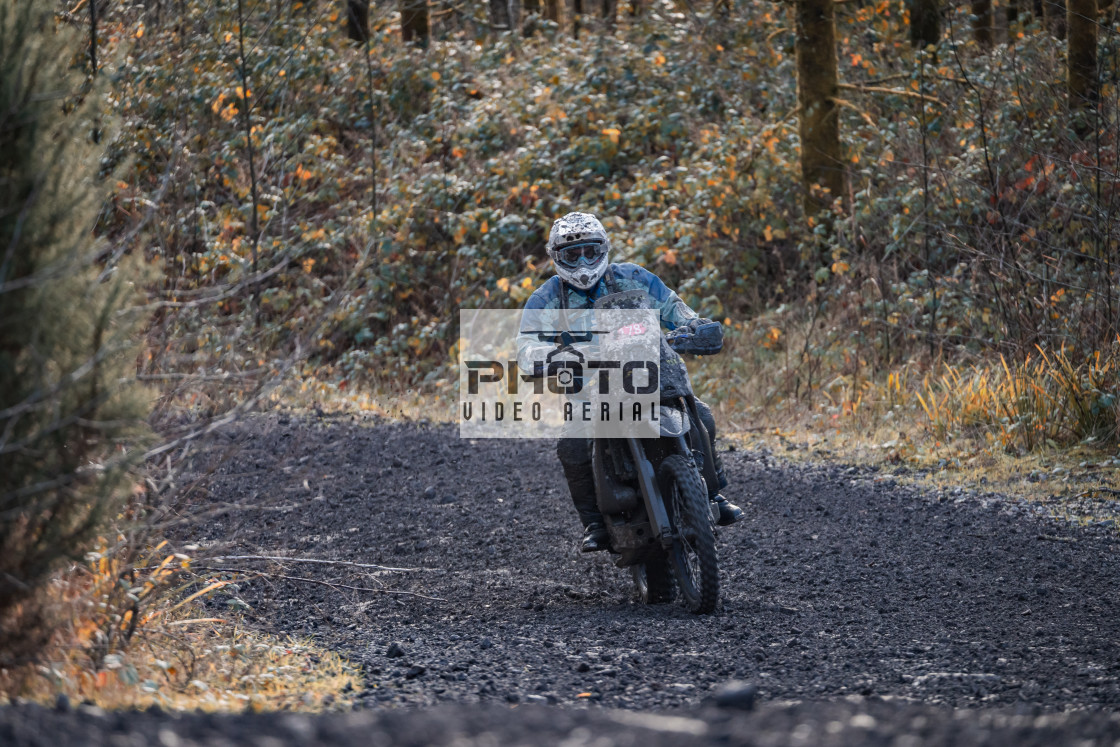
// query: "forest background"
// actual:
[[904, 212]]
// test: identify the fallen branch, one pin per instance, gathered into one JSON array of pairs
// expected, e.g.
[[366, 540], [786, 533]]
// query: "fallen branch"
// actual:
[[891, 91], [357, 588], [196, 620], [218, 510], [283, 559], [1110, 491], [770, 37], [331, 584], [866, 117]]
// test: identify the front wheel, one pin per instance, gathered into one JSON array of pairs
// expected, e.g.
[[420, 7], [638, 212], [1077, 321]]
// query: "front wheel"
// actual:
[[693, 555], [654, 580]]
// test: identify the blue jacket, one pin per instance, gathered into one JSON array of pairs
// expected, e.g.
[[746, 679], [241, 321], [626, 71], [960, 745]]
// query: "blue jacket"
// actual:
[[627, 276]]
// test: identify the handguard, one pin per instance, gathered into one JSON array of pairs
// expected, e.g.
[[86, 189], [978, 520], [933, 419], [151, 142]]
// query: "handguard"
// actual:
[[706, 339]]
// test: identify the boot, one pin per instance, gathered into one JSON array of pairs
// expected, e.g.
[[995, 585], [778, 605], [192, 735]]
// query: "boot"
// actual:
[[576, 459], [595, 537], [729, 513]]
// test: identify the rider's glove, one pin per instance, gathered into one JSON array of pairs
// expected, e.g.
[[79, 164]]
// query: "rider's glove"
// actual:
[[700, 337]]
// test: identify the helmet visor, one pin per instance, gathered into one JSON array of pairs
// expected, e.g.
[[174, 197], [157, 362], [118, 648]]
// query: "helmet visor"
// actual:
[[585, 252]]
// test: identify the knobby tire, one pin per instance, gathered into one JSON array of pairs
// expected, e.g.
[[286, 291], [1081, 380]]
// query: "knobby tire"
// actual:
[[693, 555]]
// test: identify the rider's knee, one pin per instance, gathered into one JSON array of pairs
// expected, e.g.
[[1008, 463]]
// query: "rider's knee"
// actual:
[[574, 451]]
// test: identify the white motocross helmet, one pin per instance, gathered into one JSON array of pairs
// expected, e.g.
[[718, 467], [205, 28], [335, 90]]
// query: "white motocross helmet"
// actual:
[[578, 246]]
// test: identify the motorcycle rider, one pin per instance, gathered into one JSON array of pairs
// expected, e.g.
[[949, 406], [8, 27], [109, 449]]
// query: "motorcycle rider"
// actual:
[[579, 248]]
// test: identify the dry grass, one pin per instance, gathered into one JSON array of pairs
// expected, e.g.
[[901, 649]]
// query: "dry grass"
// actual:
[[1045, 400], [1044, 429], [201, 663], [1080, 484], [381, 397], [139, 630]]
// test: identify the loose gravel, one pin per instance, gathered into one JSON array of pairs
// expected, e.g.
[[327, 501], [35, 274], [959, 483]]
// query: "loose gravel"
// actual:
[[864, 611]]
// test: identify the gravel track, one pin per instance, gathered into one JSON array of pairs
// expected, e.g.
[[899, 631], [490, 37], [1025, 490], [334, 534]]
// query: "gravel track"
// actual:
[[883, 612]]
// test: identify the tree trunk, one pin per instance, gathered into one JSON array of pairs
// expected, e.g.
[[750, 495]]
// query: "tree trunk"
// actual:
[[499, 14], [1012, 18], [925, 23], [552, 10], [414, 22], [817, 91], [532, 8], [609, 10], [1081, 72], [982, 23], [93, 37], [577, 11], [1054, 13], [357, 20], [635, 8]]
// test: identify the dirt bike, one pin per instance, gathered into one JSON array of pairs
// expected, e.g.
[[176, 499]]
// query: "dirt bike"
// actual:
[[652, 491]]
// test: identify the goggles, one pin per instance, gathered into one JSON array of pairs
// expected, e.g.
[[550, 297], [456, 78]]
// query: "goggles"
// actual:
[[586, 252]]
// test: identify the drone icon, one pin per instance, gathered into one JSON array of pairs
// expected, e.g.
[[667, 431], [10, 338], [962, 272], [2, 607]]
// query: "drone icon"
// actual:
[[565, 340]]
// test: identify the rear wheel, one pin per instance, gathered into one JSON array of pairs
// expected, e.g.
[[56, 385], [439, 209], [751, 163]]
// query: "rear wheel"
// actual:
[[654, 580], [693, 555]]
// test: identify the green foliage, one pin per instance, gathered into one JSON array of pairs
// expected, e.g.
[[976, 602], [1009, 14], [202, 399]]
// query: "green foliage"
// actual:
[[478, 146], [69, 410], [399, 184]]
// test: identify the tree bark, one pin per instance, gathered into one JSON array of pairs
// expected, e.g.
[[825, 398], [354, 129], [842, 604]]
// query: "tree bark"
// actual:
[[982, 23], [552, 10], [577, 12], [925, 23], [357, 20], [1081, 68], [93, 37], [414, 22], [1054, 13], [532, 7], [499, 14], [817, 91], [609, 11]]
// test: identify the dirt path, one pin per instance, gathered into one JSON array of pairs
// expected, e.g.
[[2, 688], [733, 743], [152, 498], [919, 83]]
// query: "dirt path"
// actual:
[[823, 724], [840, 583]]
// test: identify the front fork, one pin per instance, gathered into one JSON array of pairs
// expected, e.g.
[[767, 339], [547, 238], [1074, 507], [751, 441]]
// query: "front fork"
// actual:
[[651, 493], [647, 480], [707, 448]]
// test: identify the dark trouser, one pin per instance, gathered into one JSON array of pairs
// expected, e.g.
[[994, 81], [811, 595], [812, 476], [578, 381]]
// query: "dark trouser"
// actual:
[[575, 458]]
